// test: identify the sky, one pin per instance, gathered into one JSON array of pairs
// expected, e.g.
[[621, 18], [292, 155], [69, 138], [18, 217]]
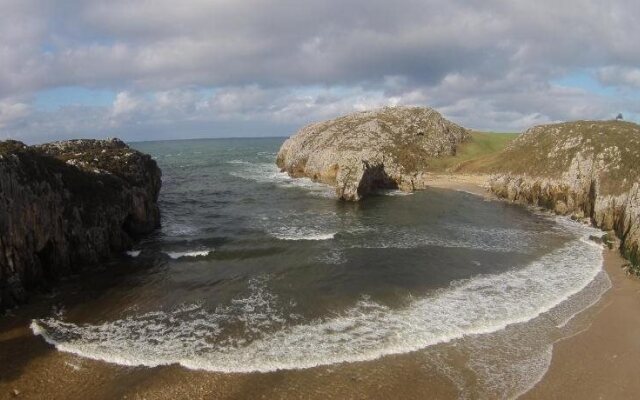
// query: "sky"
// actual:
[[150, 70]]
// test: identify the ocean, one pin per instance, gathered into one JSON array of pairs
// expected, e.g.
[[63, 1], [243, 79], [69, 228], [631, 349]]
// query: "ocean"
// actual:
[[256, 272]]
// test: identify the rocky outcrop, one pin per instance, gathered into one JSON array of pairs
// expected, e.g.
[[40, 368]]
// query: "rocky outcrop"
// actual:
[[362, 152], [584, 169], [67, 205]]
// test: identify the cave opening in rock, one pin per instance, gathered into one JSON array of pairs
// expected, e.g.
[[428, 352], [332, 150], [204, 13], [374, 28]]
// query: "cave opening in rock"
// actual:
[[46, 257], [375, 178]]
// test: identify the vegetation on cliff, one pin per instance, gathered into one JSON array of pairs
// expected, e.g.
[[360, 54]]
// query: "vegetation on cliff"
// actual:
[[477, 147], [548, 150], [586, 169], [386, 148]]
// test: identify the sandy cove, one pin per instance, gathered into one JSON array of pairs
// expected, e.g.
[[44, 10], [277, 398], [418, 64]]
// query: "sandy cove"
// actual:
[[599, 362]]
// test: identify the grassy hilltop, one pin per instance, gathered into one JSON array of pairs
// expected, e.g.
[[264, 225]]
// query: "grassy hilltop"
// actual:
[[549, 150], [479, 146], [587, 169]]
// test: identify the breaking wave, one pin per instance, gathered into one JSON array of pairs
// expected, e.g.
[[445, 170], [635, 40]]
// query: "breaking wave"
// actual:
[[270, 173], [186, 254], [298, 233], [258, 333]]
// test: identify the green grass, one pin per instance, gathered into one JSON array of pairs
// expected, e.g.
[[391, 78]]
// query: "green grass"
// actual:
[[548, 151], [480, 146]]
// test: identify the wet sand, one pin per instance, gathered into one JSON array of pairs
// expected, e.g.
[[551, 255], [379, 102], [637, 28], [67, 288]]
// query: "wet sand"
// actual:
[[602, 361], [475, 184], [599, 362]]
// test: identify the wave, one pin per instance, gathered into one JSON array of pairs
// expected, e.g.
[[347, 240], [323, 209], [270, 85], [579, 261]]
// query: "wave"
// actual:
[[270, 173], [177, 229], [320, 236], [188, 254], [394, 192], [133, 253], [274, 340], [297, 233]]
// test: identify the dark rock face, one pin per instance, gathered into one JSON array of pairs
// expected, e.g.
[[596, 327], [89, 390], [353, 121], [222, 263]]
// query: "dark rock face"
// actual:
[[67, 205]]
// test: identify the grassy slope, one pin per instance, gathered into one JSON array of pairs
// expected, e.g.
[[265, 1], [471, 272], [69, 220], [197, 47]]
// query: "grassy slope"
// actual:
[[547, 151], [480, 146]]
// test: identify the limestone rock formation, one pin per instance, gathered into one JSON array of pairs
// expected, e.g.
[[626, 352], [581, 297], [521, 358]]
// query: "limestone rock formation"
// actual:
[[361, 152], [67, 205], [586, 169]]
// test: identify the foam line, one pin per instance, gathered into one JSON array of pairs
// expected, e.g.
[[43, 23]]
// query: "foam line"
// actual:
[[364, 332], [270, 173], [184, 254]]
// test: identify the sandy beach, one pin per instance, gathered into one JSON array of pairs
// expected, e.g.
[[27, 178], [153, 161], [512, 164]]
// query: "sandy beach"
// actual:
[[601, 361], [596, 363]]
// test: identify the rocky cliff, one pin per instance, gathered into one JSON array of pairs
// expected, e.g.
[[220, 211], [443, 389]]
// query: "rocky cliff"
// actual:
[[361, 152], [67, 205], [586, 169]]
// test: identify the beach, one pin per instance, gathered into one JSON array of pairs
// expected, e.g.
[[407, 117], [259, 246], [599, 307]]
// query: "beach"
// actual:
[[600, 361], [595, 362]]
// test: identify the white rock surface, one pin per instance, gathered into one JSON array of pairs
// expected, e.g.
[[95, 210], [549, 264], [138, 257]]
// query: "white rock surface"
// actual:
[[365, 151]]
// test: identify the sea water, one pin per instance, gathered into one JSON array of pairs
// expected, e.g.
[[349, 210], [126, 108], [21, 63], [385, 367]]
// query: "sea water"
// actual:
[[254, 271]]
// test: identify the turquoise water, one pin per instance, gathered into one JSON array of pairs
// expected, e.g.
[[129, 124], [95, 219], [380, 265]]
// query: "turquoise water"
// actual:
[[255, 271]]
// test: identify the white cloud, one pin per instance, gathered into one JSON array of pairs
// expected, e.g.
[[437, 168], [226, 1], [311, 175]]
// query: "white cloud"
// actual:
[[11, 112], [620, 76], [487, 64], [124, 104]]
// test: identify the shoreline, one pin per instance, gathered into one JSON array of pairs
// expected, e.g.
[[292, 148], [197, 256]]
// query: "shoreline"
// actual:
[[596, 362], [600, 361], [470, 183]]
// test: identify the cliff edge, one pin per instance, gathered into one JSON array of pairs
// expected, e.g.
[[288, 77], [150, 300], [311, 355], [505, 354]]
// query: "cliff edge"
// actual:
[[67, 205], [586, 169], [361, 152]]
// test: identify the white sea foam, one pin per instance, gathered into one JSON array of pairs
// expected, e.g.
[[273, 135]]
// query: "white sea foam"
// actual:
[[270, 173], [298, 233], [183, 254], [368, 330], [319, 236], [133, 253], [509, 362], [395, 193], [178, 229]]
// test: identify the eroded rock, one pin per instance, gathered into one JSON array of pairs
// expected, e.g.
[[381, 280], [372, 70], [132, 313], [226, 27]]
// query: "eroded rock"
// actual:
[[362, 152], [67, 205], [585, 169]]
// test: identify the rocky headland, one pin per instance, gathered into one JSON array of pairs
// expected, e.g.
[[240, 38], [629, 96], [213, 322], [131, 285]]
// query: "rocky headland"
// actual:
[[359, 153], [585, 169], [68, 205]]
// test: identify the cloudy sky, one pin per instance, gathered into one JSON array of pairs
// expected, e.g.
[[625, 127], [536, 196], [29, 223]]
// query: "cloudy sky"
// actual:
[[144, 70]]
